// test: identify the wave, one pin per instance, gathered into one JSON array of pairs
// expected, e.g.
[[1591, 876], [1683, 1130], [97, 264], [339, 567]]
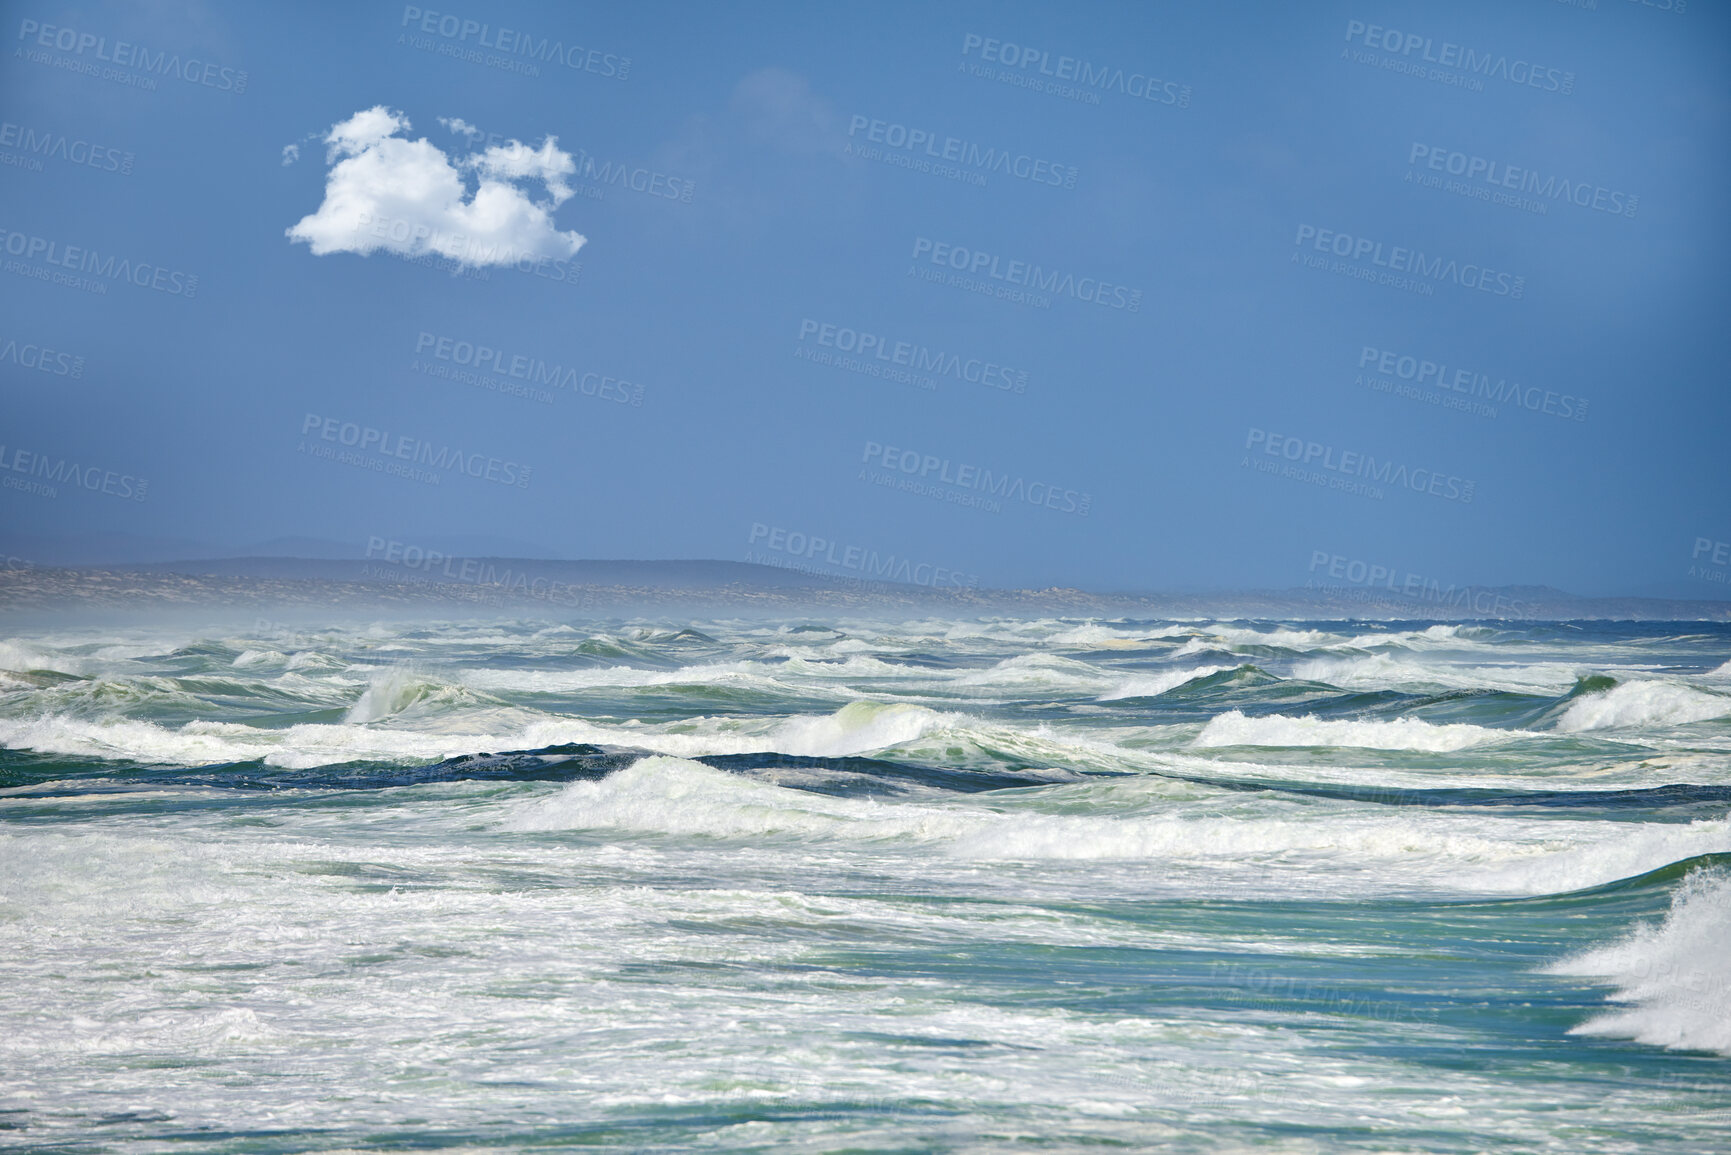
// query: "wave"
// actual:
[[389, 692], [1032, 673], [1471, 853], [1564, 862], [1676, 976], [533, 681], [1433, 637], [254, 657], [406, 690], [1642, 703], [200, 743], [664, 795], [857, 728], [1436, 633], [1115, 638], [1388, 671], [23, 658], [1277, 638], [1153, 685], [1233, 728]]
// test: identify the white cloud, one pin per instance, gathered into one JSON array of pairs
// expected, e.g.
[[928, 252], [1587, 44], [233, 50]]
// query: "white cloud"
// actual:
[[403, 196], [513, 161], [290, 153], [460, 126]]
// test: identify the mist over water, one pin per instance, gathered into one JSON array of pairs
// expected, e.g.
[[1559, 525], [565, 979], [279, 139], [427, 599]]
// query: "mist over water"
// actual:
[[851, 882]]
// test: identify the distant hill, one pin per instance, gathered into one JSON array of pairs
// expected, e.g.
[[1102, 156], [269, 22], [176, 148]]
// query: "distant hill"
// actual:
[[539, 587]]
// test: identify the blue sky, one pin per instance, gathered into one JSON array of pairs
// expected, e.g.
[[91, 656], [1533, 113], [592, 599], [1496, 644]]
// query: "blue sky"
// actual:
[[1151, 296]]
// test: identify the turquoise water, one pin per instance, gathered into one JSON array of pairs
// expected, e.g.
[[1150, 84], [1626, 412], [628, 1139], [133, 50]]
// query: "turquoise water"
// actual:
[[856, 885]]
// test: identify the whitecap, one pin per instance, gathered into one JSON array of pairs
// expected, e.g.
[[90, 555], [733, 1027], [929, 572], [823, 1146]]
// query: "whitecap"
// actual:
[[1233, 728], [1641, 703], [1153, 685]]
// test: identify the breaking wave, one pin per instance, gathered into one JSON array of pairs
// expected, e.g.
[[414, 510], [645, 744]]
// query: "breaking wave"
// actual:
[[1674, 978]]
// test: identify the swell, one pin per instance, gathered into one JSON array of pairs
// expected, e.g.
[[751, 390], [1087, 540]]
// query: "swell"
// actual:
[[846, 776], [1675, 802]]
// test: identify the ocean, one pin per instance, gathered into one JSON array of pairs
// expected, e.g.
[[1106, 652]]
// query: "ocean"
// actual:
[[852, 883]]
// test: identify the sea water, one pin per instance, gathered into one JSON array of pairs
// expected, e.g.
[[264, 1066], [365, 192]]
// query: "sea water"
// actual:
[[847, 884]]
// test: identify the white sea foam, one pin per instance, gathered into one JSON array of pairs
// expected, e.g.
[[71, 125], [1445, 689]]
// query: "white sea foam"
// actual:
[[1642, 703], [1674, 977], [1233, 728]]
